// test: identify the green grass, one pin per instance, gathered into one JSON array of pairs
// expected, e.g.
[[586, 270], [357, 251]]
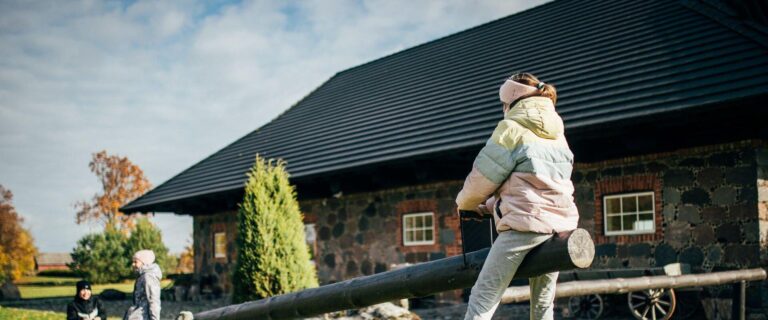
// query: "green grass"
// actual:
[[32, 292], [22, 314], [45, 287], [43, 280]]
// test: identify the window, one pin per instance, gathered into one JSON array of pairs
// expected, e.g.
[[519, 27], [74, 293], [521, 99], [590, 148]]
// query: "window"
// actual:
[[631, 213], [418, 229], [220, 245], [641, 188]]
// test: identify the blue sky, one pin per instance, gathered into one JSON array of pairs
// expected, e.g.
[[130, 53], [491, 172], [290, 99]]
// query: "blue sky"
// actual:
[[167, 83]]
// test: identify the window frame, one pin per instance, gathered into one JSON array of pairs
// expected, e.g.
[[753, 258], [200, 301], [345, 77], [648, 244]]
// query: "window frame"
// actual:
[[412, 215], [637, 212], [216, 253]]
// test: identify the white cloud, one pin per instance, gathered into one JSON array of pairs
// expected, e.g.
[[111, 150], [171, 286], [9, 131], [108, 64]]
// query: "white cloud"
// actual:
[[167, 83]]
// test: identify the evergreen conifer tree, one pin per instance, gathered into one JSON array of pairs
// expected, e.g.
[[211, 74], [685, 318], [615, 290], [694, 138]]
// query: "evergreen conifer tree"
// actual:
[[273, 257], [146, 236], [101, 257]]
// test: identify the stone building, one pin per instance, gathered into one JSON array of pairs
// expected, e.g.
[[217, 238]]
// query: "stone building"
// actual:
[[664, 107]]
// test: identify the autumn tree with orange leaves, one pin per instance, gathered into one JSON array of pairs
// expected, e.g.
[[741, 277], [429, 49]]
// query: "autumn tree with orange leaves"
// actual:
[[187, 260], [17, 249], [121, 181]]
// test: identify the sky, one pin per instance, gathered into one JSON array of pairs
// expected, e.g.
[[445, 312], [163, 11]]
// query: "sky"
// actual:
[[168, 83]]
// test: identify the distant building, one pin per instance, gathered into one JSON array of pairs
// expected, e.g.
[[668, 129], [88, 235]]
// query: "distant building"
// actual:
[[664, 104], [52, 261]]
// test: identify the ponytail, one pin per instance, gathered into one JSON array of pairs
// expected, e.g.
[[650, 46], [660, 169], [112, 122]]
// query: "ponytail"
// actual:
[[544, 89]]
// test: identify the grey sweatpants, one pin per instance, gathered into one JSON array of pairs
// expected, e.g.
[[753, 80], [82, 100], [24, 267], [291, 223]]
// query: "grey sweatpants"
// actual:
[[500, 266]]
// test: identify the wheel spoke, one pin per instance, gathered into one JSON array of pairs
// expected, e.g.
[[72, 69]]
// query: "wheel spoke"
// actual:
[[653, 313], [576, 309], [645, 311], [664, 303], [635, 306], [637, 296], [660, 309]]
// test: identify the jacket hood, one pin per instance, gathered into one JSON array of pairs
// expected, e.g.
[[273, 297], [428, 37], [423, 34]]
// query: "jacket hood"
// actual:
[[538, 115], [152, 270]]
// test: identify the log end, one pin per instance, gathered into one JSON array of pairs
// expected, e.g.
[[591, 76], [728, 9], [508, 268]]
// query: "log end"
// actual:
[[581, 248]]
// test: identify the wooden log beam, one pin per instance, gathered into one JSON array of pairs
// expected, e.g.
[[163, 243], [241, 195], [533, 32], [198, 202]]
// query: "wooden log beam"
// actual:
[[564, 251], [622, 285]]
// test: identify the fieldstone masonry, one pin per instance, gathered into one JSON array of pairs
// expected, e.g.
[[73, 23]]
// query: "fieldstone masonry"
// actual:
[[714, 212], [361, 234], [213, 274], [711, 212], [762, 201]]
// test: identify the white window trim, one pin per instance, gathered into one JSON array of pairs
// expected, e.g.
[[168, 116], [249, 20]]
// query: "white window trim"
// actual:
[[215, 247], [622, 195], [414, 215]]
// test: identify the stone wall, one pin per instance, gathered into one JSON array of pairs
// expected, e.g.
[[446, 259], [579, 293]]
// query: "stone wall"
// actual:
[[360, 234], [762, 201], [711, 212], [709, 209], [357, 234], [708, 206], [214, 273]]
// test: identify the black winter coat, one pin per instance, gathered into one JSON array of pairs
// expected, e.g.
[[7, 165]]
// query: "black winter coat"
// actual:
[[86, 309]]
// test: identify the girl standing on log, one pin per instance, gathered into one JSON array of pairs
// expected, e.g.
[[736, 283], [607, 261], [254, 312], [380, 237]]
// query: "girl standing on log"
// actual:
[[522, 177]]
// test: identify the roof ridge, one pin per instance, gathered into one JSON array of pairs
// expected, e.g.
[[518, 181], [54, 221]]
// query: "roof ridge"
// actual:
[[724, 15]]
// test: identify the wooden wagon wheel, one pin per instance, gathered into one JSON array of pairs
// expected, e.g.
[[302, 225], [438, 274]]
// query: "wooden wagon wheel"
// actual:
[[586, 307], [652, 304]]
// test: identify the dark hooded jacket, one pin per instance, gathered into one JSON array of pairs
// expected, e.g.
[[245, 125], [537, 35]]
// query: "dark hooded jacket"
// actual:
[[85, 309]]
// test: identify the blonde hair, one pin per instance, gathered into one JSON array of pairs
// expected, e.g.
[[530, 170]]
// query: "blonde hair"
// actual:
[[546, 90]]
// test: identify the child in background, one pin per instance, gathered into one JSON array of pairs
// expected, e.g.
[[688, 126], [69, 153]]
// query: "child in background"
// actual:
[[86, 306], [146, 290]]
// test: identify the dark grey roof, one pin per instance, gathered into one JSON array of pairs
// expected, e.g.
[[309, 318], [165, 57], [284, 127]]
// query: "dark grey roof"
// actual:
[[610, 60]]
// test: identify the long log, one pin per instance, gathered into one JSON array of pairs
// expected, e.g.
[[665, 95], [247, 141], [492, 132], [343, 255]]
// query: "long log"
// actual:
[[564, 251], [622, 285]]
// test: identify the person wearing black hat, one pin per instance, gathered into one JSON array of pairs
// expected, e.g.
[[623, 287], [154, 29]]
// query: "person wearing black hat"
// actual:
[[85, 306]]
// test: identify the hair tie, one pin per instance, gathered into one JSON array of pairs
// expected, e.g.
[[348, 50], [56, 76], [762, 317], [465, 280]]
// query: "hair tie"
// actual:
[[540, 85]]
